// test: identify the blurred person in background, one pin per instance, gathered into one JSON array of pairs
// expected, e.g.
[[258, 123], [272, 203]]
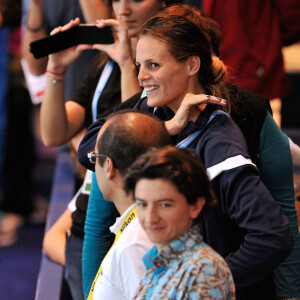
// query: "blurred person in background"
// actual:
[[17, 202], [254, 34], [42, 17]]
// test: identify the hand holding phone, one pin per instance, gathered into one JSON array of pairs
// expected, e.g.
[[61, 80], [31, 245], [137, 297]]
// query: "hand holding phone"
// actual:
[[80, 34]]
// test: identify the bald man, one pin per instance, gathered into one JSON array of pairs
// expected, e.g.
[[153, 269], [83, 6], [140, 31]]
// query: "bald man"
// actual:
[[125, 136]]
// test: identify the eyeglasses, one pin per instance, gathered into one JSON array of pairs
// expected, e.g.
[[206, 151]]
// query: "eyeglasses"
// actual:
[[92, 156]]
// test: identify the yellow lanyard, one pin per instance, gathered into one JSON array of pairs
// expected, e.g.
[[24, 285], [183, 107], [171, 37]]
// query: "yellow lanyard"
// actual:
[[129, 218]]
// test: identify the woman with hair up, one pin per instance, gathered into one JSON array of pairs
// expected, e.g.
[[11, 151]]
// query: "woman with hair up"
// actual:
[[267, 145], [247, 227], [178, 72], [181, 265]]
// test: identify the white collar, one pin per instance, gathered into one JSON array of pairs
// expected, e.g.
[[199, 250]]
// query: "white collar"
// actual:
[[120, 220]]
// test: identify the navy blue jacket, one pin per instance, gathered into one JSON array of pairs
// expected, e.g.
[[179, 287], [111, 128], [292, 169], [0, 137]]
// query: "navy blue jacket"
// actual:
[[247, 227]]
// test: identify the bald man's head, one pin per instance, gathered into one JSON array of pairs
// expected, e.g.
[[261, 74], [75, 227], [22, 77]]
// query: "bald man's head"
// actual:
[[128, 134]]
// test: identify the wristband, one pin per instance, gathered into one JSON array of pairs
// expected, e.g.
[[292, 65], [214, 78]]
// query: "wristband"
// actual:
[[55, 78], [55, 73]]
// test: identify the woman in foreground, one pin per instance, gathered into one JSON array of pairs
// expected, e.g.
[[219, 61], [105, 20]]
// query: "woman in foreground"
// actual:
[[247, 228]]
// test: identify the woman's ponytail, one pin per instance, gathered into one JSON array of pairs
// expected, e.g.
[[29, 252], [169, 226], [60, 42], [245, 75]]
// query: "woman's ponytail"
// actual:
[[218, 86]]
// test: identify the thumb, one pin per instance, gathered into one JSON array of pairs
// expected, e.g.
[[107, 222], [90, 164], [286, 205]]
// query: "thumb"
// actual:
[[101, 47]]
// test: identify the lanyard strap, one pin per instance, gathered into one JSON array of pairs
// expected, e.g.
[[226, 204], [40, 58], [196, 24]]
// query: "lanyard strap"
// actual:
[[100, 86], [129, 218], [189, 139]]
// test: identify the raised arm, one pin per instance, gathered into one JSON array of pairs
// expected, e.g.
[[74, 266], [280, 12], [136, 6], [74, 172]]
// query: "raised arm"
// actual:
[[88, 142], [60, 120], [121, 53], [34, 30], [189, 110]]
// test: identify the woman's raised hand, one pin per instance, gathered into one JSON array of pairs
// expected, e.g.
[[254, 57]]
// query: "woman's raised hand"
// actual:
[[120, 51], [59, 61], [189, 110]]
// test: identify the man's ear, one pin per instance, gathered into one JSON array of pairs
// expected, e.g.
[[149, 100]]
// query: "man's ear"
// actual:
[[110, 169], [193, 64]]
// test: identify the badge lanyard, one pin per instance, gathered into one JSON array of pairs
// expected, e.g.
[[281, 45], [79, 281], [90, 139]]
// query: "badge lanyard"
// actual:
[[100, 86], [188, 140], [129, 218]]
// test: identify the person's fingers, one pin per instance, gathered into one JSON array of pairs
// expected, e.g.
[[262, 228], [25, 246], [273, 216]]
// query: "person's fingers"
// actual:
[[108, 22], [192, 100], [100, 23], [114, 24], [71, 24], [123, 24], [204, 97], [218, 100], [55, 30]]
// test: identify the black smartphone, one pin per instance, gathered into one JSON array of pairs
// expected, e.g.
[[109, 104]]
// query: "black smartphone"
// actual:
[[81, 34]]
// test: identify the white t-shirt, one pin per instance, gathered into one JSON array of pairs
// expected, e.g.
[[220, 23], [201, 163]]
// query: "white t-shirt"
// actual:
[[122, 267], [84, 189]]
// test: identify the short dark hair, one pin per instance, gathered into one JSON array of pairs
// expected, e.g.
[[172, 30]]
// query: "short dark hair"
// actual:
[[128, 135], [182, 167]]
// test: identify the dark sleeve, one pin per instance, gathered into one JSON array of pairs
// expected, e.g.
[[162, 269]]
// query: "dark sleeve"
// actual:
[[100, 216], [274, 146], [260, 233], [88, 142], [268, 238]]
